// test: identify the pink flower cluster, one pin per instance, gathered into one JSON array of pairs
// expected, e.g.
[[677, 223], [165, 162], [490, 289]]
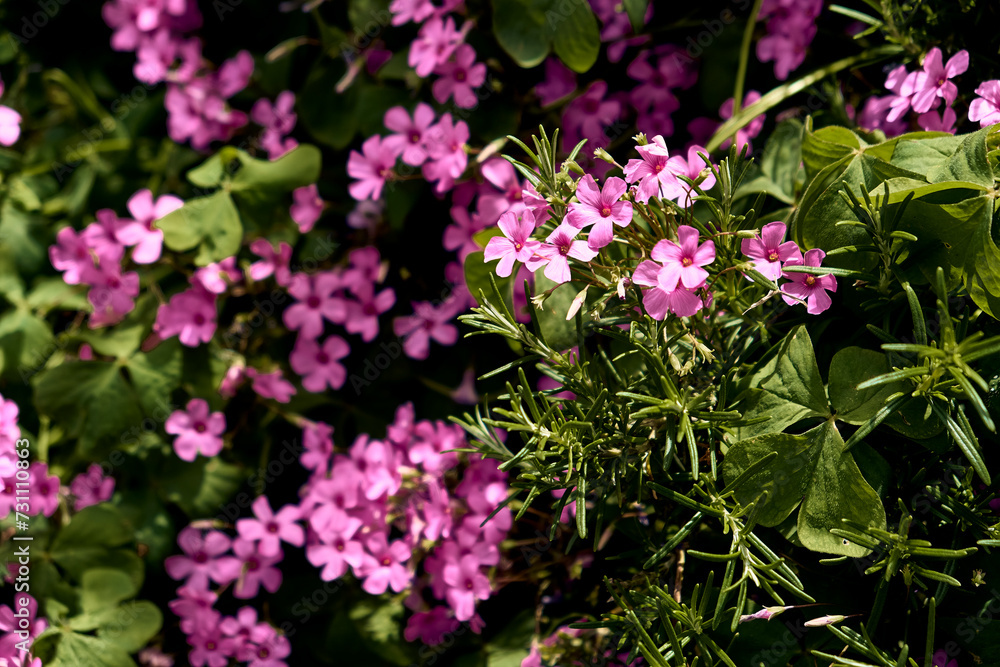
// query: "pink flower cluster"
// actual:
[[387, 505], [10, 123], [94, 256], [656, 172], [11, 626], [277, 120], [196, 99], [675, 274], [42, 488], [437, 148], [770, 252], [791, 27], [922, 91], [439, 49], [191, 315], [215, 638]]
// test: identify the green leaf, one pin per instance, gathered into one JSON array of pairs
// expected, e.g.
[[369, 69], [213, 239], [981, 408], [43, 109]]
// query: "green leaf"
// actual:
[[477, 277], [558, 332], [209, 173], [202, 486], [212, 224], [62, 648], [782, 156], [521, 30], [825, 146], [813, 469], [576, 39], [329, 116], [366, 14], [25, 341], [636, 10], [92, 540], [958, 236], [527, 29], [91, 399], [155, 374], [379, 622], [789, 386], [511, 645], [297, 168], [850, 367], [102, 589]]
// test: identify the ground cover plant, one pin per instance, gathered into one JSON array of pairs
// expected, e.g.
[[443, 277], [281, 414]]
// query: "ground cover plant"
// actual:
[[499, 332]]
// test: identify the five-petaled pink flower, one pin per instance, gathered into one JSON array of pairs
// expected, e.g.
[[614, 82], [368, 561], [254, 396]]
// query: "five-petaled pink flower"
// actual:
[[600, 208], [665, 294], [270, 529], [320, 366], [197, 431], [515, 244], [683, 261], [985, 109], [383, 565], [769, 251], [556, 252], [807, 286], [934, 82], [408, 140], [372, 167]]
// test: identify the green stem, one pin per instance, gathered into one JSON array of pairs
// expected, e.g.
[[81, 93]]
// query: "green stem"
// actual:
[[741, 70], [782, 93]]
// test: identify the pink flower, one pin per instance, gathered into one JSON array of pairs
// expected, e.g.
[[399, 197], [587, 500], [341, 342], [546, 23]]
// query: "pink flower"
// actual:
[[515, 244], [410, 134], [337, 550], [404, 11], [684, 260], [466, 584], [202, 560], [307, 208], [148, 241], [427, 322], [935, 82], [665, 294], [270, 529], [749, 131], [445, 143], [91, 487], [209, 647], [431, 627], [941, 659], [383, 565], [435, 43], [459, 77], [190, 315], [560, 247], [197, 431], [10, 123], [690, 168], [459, 235], [805, 286], [112, 296], [217, 276], [985, 109], [651, 172], [372, 167], [316, 302], [769, 251], [271, 385], [904, 84], [319, 366], [272, 262], [71, 254], [258, 570], [43, 489], [932, 121], [600, 208], [560, 81], [362, 315], [318, 446], [12, 625]]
